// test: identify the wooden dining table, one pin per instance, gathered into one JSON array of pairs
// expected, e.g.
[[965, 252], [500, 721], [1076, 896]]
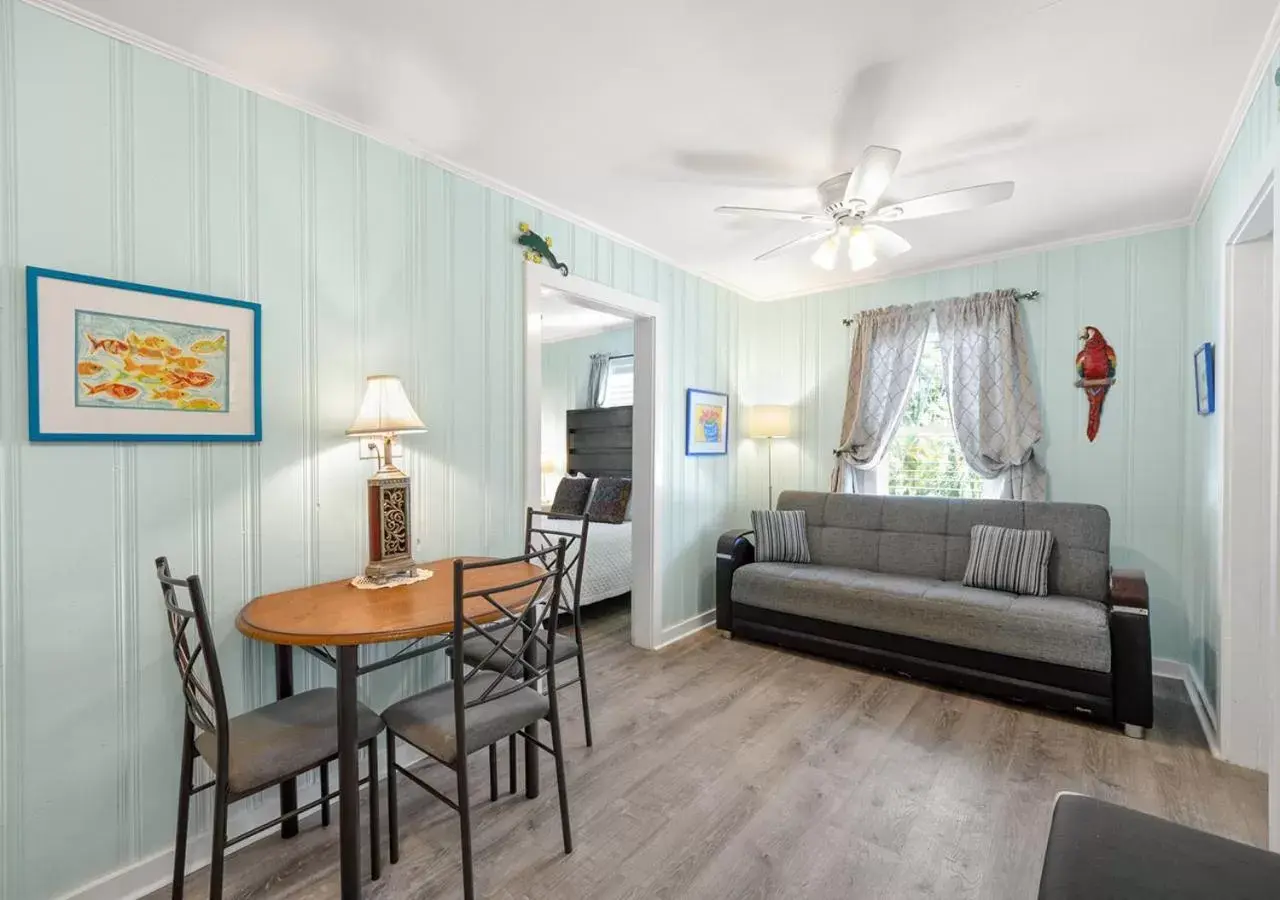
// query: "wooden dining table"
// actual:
[[342, 617]]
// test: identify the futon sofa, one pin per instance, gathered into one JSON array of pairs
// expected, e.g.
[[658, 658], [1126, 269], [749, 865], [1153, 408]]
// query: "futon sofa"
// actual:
[[883, 589]]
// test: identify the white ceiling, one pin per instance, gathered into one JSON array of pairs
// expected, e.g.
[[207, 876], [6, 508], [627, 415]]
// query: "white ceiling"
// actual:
[[642, 117], [564, 319]]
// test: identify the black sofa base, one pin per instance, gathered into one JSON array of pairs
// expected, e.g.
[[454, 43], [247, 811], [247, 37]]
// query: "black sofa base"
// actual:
[[1055, 687]]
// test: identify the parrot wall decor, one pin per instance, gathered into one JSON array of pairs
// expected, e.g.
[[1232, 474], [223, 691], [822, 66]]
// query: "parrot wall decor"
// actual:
[[537, 248], [1096, 368]]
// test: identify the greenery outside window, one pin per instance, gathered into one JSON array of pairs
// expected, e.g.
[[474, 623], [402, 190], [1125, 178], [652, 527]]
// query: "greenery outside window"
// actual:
[[924, 457]]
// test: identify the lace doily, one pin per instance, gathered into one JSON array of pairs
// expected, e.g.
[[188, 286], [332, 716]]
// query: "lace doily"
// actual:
[[365, 583]]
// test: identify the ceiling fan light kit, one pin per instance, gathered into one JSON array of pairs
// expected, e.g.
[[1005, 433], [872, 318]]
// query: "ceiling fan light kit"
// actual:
[[851, 206]]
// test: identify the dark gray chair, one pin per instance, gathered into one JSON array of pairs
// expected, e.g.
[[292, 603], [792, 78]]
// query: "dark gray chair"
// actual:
[[481, 706], [254, 751], [476, 649]]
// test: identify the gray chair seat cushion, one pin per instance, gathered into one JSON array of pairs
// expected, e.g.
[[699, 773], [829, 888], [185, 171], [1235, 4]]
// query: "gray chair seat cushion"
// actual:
[[1068, 631], [283, 738], [427, 720], [475, 648]]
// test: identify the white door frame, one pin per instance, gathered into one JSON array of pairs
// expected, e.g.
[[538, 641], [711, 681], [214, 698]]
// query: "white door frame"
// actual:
[[1248, 364], [649, 416]]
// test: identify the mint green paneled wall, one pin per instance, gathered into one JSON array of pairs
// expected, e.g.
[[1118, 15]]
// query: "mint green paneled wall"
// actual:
[[1251, 160], [566, 367], [115, 162], [796, 352]]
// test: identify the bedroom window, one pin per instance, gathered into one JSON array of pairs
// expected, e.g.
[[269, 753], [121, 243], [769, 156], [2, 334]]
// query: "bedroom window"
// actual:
[[924, 458], [619, 381]]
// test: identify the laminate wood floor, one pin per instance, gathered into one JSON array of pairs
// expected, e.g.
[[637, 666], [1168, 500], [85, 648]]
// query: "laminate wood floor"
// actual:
[[728, 769]]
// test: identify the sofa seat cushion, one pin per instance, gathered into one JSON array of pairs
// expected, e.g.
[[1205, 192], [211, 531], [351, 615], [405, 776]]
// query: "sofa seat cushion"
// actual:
[[1067, 631]]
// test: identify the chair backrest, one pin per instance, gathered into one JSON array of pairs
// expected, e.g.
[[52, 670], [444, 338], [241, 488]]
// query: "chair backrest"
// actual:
[[194, 653], [545, 535], [493, 611]]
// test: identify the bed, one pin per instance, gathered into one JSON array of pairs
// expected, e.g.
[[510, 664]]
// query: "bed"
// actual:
[[598, 444]]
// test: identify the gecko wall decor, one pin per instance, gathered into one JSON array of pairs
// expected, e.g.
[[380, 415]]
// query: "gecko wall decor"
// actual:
[[1096, 368], [538, 249]]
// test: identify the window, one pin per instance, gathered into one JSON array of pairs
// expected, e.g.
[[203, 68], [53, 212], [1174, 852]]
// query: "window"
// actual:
[[619, 381], [924, 458]]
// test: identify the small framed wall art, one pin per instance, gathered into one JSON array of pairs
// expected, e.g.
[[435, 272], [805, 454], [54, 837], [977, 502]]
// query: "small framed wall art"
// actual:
[[1205, 402], [706, 423], [114, 361]]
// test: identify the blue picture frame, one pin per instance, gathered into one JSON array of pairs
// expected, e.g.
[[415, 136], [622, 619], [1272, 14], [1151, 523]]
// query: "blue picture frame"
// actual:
[[710, 436], [37, 432], [1206, 402]]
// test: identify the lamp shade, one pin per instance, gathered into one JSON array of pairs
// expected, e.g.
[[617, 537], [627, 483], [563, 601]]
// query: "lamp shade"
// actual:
[[769, 421], [385, 409]]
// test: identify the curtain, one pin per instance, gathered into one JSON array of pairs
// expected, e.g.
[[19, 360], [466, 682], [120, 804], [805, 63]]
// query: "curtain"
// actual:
[[993, 401], [887, 344], [595, 381]]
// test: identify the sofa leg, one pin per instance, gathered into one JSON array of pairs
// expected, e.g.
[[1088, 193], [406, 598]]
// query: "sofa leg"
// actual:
[[1137, 732]]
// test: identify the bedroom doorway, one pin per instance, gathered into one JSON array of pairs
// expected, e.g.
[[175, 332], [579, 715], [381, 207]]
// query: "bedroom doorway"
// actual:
[[603, 423]]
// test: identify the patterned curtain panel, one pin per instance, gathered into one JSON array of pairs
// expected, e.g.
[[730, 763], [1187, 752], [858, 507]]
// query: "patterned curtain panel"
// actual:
[[887, 344], [595, 381], [993, 400]]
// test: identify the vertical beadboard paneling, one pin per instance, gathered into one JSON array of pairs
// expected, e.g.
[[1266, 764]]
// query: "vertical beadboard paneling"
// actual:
[[115, 162], [1132, 289]]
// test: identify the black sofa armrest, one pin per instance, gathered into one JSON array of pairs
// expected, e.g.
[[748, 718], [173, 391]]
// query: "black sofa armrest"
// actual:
[[733, 551], [1130, 625]]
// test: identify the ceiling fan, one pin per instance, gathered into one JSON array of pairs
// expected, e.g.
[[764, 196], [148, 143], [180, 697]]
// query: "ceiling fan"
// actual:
[[851, 208]]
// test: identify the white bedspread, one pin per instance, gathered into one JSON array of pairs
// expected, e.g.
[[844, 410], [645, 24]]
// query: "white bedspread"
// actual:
[[607, 570]]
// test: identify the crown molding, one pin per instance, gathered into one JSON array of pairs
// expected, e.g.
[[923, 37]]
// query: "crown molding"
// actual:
[[965, 262], [1254, 84], [69, 11]]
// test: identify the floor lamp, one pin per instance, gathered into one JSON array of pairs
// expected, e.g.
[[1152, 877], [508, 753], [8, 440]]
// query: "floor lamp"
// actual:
[[767, 423]]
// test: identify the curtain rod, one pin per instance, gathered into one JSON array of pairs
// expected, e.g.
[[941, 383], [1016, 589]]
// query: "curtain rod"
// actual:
[[1028, 295]]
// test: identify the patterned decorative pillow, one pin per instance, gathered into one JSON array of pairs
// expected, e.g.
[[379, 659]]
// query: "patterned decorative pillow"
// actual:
[[609, 500], [571, 496], [1009, 559], [780, 535]]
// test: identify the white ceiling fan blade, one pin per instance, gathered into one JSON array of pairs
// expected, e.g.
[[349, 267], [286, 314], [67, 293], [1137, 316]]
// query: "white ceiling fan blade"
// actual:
[[887, 244], [783, 214], [870, 178], [806, 239], [946, 202]]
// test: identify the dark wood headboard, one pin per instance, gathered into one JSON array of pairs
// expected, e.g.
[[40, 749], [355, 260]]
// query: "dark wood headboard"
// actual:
[[599, 441]]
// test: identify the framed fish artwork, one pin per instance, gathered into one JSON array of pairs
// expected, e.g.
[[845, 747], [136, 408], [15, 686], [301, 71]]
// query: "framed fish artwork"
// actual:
[[114, 361], [706, 423]]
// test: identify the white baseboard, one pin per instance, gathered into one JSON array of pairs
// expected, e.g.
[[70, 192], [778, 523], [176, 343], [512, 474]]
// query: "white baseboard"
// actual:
[[147, 875], [681, 630], [1171, 668]]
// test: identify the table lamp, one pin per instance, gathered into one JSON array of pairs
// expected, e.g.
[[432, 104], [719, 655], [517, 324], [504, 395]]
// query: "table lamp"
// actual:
[[769, 422], [384, 413]]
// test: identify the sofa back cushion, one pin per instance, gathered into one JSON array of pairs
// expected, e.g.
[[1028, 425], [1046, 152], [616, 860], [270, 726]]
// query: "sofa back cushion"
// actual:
[[928, 537]]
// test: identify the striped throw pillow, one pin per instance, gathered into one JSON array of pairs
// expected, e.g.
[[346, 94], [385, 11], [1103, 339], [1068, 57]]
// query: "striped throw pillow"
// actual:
[[1009, 559], [780, 535]]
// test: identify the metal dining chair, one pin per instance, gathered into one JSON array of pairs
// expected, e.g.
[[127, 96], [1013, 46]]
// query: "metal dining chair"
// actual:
[[480, 706], [252, 752], [542, 537]]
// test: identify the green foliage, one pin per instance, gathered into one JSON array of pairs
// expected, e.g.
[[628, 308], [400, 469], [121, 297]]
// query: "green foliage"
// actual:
[[924, 458]]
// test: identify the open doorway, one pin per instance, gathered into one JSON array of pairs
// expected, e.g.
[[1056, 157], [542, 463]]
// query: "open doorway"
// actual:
[[1249, 548], [592, 410]]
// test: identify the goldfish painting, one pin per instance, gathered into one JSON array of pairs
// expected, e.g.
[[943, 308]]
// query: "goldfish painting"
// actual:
[[207, 348], [150, 364], [203, 404], [109, 345], [112, 389]]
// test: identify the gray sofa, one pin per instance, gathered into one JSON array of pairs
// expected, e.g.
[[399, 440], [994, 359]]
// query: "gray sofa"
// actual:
[[883, 589]]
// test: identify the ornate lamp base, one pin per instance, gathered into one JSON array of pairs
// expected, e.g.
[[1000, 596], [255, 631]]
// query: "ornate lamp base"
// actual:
[[390, 546]]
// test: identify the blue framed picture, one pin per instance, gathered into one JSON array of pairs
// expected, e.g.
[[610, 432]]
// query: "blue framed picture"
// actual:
[[115, 361], [1205, 401], [706, 423]]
